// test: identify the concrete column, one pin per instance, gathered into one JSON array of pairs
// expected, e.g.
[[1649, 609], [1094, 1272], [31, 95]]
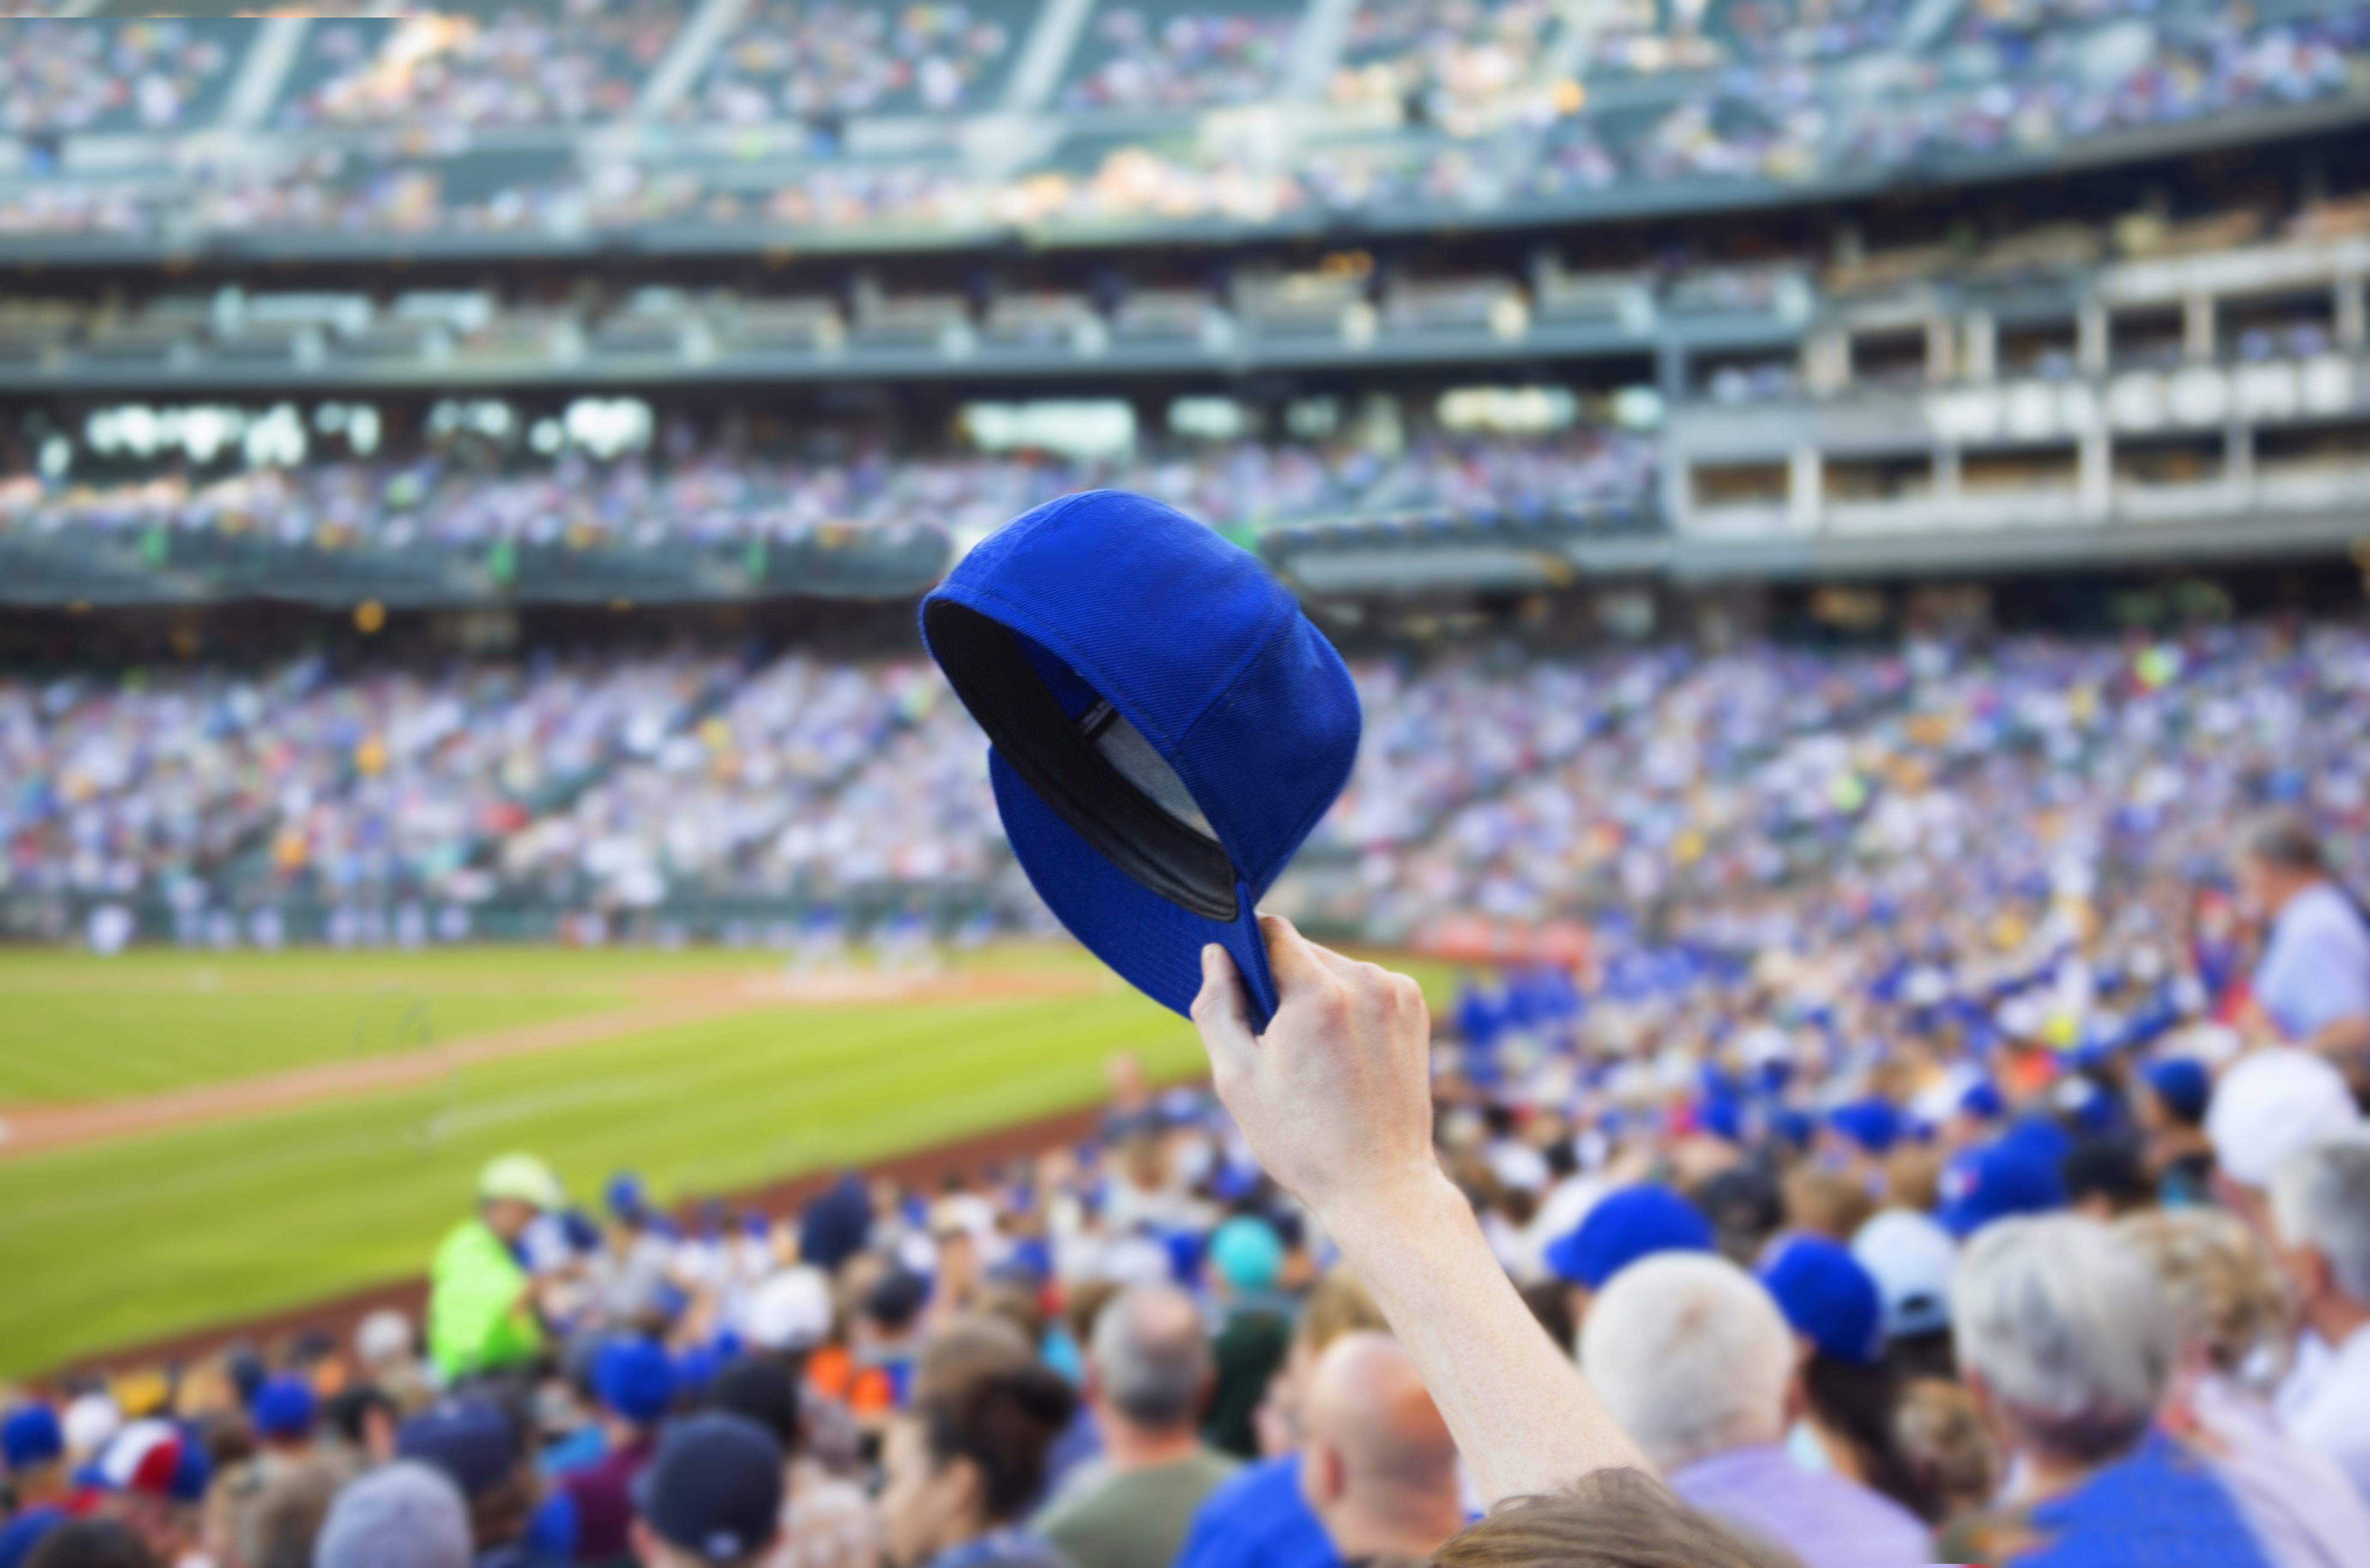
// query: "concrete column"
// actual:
[[2097, 482], [1805, 482], [1945, 475], [2197, 327], [2093, 339], [1670, 371], [1981, 361], [2350, 326], [1941, 351], [2239, 458]]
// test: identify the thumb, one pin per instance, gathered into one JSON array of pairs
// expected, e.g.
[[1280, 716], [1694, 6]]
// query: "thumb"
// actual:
[[1221, 1014], [1292, 958]]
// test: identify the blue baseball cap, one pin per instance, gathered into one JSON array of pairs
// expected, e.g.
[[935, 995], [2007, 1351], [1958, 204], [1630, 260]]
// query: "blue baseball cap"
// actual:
[[282, 1407], [2183, 1084], [714, 1489], [1166, 727], [1828, 1298], [1625, 1226], [1997, 1181], [469, 1439], [31, 1436], [634, 1378], [1874, 1125]]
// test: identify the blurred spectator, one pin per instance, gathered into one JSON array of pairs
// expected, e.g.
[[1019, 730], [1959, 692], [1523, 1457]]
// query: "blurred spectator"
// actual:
[[2312, 988], [711, 1496], [1610, 1519], [1911, 1260], [152, 1477], [2225, 1295], [1148, 1377], [1254, 1334], [1624, 1227], [1942, 1437], [1260, 1517], [279, 1498], [1380, 1468], [93, 1543], [827, 1522], [406, 1516], [634, 1384], [1849, 1395], [481, 1312], [2272, 1104], [2171, 1114], [964, 1466], [2320, 1207], [1694, 1360], [2068, 1344], [473, 1445]]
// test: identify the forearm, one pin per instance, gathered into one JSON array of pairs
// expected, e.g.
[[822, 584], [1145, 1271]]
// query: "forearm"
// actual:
[[2342, 1037], [1525, 1419]]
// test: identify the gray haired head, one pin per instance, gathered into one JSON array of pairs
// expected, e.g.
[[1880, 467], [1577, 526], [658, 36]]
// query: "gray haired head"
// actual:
[[1151, 1358], [2069, 1329], [2282, 839], [406, 1516], [2320, 1198]]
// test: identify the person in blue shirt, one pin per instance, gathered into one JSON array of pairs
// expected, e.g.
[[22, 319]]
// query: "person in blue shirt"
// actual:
[[2068, 1346], [2312, 985]]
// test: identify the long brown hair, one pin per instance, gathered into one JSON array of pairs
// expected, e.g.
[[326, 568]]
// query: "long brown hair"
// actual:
[[1612, 1518]]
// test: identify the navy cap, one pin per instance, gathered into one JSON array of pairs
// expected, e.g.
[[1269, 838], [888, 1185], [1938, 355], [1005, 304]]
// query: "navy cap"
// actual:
[[1625, 1226], [1874, 1125], [2183, 1084], [470, 1440], [714, 1489], [1996, 1181], [31, 1436], [1828, 1299], [634, 1379], [1166, 727], [282, 1407]]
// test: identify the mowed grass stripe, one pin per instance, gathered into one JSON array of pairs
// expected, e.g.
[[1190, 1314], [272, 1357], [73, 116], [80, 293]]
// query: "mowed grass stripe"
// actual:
[[124, 1242]]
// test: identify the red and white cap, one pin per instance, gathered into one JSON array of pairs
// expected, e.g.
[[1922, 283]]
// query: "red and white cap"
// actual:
[[152, 1456]]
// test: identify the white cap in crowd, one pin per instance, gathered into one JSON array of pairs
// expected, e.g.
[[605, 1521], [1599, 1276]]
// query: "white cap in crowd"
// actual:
[[2271, 1104]]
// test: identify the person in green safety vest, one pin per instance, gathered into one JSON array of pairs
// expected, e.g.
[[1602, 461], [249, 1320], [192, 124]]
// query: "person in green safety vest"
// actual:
[[482, 1307]]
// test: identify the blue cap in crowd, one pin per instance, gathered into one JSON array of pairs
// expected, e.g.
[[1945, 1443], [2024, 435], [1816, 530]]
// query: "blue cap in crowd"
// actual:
[[1633, 1223], [30, 1437], [2183, 1084], [282, 1407], [714, 1489], [1166, 727], [470, 1440], [1874, 1125], [1828, 1298], [2041, 1137], [1997, 1181], [634, 1379], [1982, 1102]]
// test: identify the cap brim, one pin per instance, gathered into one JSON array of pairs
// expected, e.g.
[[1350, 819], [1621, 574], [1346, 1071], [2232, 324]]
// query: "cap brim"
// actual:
[[1153, 944]]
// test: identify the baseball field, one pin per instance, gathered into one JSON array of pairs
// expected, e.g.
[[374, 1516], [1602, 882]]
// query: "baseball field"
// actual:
[[194, 1139]]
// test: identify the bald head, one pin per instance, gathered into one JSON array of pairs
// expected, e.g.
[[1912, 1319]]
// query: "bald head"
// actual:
[[1151, 1359], [1380, 1469]]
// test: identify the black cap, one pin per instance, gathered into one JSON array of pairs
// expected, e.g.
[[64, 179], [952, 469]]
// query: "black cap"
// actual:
[[714, 1487], [897, 1299], [764, 1392], [470, 1440]]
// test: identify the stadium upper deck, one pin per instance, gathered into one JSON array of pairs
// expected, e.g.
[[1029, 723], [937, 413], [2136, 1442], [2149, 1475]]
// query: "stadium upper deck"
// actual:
[[731, 125]]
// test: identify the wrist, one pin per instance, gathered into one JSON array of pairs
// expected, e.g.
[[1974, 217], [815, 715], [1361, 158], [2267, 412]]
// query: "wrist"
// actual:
[[1389, 1209]]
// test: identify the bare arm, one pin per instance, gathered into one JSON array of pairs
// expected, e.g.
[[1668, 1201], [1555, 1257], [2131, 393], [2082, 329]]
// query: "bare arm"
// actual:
[[1336, 1102]]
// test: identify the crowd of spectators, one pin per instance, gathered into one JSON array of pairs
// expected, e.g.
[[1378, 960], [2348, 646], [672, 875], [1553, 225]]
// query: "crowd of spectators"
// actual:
[[1833, 1267], [803, 59], [1782, 91], [519, 64], [460, 499]]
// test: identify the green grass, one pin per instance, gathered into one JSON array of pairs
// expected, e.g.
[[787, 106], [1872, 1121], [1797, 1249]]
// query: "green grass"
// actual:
[[125, 1241], [77, 1027]]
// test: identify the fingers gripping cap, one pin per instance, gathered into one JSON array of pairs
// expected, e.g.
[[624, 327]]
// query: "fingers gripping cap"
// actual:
[[1166, 727]]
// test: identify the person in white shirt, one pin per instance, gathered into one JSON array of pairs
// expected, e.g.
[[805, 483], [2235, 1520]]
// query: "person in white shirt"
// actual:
[[2320, 1205], [2312, 986]]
